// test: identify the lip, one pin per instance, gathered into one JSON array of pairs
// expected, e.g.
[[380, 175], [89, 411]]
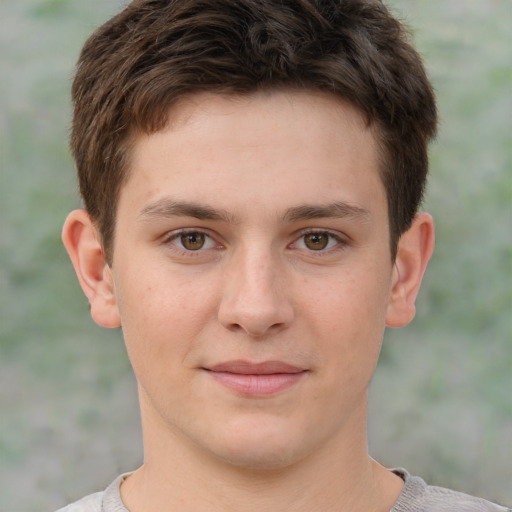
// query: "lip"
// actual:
[[256, 379]]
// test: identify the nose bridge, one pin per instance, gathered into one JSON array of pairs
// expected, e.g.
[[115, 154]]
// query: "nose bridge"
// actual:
[[257, 270], [254, 298]]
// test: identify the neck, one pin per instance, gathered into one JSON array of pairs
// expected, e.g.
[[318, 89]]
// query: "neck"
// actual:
[[339, 476]]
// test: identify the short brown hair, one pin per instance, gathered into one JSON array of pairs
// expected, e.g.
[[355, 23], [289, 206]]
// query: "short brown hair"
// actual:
[[154, 52]]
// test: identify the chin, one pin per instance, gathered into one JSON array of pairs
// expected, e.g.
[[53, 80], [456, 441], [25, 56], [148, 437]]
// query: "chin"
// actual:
[[260, 448]]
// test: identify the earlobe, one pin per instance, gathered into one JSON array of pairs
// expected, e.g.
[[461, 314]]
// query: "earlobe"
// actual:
[[82, 241], [414, 251]]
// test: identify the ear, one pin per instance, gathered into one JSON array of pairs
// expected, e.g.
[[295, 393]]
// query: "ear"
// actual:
[[82, 241], [414, 250]]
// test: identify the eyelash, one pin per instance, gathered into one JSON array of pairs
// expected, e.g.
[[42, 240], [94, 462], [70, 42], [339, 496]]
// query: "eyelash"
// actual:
[[175, 235], [341, 242]]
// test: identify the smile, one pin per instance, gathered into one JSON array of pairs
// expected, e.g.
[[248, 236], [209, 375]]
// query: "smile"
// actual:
[[256, 379]]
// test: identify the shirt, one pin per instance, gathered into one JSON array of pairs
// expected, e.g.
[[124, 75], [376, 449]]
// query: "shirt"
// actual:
[[416, 496]]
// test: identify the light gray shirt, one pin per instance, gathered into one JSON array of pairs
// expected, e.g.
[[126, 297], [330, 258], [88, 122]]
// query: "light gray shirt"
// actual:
[[416, 496]]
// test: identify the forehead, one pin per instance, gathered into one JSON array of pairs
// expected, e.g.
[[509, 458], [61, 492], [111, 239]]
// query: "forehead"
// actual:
[[286, 143]]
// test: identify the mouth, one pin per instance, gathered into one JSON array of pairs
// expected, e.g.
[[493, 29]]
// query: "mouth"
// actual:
[[256, 379]]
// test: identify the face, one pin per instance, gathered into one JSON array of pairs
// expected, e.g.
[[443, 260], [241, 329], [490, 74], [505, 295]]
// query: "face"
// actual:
[[252, 274]]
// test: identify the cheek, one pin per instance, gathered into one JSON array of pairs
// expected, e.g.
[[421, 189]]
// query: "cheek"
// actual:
[[348, 314], [162, 316]]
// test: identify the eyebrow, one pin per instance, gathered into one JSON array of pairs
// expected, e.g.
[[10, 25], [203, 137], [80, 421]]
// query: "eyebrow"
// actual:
[[170, 208], [167, 207], [336, 210]]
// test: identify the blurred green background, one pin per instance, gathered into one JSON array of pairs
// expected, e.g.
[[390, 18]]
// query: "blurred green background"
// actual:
[[441, 401]]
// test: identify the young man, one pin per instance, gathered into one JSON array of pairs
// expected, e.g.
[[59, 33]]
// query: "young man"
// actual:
[[251, 173]]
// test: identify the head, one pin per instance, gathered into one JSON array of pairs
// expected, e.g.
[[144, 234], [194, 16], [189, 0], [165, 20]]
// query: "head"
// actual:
[[251, 172], [153, 54]]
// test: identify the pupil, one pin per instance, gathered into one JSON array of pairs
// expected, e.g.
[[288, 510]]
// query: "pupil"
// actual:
[[192, 241], [316, 241]]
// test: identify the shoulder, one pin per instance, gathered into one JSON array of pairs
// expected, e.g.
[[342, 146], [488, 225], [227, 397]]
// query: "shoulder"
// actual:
[[91, 503], [106, 501], [417, 496]]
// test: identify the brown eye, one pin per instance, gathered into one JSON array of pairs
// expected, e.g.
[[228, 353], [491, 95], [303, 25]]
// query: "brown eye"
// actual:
[[316, 241], [192, 241]]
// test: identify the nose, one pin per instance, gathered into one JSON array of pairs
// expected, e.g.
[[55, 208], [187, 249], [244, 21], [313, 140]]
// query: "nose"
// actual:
[[254, 297]]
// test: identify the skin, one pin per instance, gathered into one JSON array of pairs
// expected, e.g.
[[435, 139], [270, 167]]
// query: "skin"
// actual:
[[260, 183]]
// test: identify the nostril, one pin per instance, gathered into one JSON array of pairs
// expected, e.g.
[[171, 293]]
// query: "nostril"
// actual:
[[255, 329]]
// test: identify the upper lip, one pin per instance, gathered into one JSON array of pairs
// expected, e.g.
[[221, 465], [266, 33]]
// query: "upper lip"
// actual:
[[248, 368]]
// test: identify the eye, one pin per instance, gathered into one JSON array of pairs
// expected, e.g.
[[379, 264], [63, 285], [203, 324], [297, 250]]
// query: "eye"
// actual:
[[192, 241], [317, 241]]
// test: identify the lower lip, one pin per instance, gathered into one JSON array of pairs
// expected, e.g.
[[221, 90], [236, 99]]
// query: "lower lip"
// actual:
[[257, 385]]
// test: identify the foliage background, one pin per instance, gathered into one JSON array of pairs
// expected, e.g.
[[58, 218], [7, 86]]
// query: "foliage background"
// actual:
[[441, 401]]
